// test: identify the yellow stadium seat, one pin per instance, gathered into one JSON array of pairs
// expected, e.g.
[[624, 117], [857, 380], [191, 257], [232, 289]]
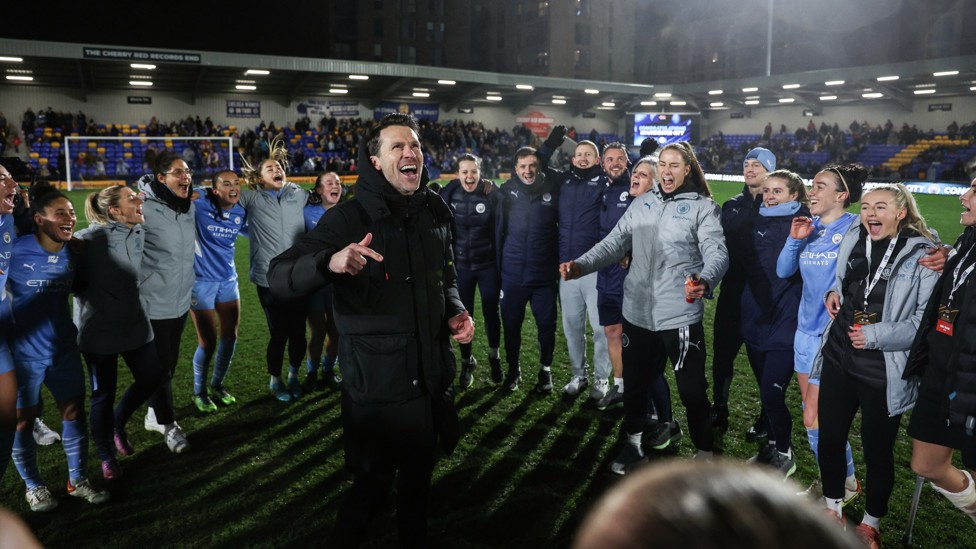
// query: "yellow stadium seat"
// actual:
[[55, 144], [126, 145], [100, 150], [127, 155], [42, 160], [92, 145], [34, 155]]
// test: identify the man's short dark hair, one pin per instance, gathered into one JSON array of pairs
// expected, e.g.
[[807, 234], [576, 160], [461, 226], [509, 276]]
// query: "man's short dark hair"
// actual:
[[619, 146], [393, 119], [526, 151]]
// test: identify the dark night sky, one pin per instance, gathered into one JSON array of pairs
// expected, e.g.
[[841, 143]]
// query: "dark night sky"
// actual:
[[242, 27]]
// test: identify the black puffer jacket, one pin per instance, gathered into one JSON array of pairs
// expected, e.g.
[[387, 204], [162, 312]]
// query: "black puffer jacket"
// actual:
[[961, 366], [392, 317], [474, 220]]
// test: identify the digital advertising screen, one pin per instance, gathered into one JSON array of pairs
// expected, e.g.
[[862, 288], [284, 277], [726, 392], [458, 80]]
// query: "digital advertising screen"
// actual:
[[666, 127]]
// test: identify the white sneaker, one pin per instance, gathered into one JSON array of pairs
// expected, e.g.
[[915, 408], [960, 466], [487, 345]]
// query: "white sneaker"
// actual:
[[40, 499], [151, 424], [599, 389], [175, 440], [86, 490], [43, 434], [575, 385], [852, 489]]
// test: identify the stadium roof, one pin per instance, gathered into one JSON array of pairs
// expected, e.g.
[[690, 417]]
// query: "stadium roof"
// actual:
[[80, 69]]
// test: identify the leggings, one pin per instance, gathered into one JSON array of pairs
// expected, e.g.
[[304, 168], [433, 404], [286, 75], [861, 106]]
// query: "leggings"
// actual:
[[645, 355], [147, 374], [286, 323], [489, 286], [840, 397], [168, 333]]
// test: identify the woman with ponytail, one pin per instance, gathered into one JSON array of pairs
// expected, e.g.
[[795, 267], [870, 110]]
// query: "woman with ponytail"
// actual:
[[111, 320]]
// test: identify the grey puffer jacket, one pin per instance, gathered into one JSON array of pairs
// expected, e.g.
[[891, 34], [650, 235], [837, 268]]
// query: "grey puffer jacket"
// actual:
[[275, 221], [671, 238], [906, 296], [166, 278], [108, 311]]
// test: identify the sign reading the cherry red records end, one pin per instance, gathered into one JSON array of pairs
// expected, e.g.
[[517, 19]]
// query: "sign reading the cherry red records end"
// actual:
[[141, 55], [139, 100], [243, 109], [420, 111], [537, 122], [940, 107]]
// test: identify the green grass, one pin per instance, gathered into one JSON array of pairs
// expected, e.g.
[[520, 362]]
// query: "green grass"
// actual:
[[262, 473]]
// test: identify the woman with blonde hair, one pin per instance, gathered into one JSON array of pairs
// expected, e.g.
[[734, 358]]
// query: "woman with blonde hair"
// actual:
[[111, 320], [275, 213], [876, 304]]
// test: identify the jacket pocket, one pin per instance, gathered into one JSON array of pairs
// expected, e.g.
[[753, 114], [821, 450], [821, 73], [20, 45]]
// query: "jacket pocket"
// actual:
[[379, 369]]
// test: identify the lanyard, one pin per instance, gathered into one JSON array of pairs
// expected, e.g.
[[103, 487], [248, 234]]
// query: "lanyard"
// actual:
[[884, 263], [957, 279]]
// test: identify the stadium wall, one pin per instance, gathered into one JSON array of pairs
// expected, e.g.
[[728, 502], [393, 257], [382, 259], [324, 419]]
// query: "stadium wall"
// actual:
[[111, 106], [963, 110]]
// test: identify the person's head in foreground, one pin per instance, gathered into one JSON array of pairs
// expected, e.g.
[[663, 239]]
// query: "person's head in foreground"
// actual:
[[704, 505]]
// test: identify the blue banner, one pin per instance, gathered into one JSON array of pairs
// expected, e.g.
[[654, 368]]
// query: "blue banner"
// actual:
[[420, 111]]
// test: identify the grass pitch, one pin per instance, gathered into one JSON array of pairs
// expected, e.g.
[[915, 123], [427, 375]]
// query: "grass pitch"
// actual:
[[266, 474]]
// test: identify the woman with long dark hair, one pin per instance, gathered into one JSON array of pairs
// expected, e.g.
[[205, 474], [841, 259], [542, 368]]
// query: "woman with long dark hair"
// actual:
[[679, 254]]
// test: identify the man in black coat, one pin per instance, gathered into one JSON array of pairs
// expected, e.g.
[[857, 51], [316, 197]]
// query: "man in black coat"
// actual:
[[388, 253]]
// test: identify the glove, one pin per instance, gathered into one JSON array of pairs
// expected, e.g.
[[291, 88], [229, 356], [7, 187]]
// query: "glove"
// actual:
[[648, 146], [556, 136]]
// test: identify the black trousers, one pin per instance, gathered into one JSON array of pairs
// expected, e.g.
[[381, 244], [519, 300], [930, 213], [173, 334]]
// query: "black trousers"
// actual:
[[841, 395], [103, 371], [646, 354], [168, 333], [286, 324], [387, 443], [726, 340]]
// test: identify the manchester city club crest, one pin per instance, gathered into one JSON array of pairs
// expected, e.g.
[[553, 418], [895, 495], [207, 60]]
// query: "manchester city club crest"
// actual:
[[237, 220], [624, 340], [480, 208], [547, 197], [623, 196], [6, 238], [837, 238], [683, 209]]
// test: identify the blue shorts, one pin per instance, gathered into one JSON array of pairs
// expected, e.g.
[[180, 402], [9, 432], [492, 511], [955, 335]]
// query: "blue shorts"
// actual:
[[206, 293], [805, 349], [65, 378], [6, 361], [611, 308], [321, 300]]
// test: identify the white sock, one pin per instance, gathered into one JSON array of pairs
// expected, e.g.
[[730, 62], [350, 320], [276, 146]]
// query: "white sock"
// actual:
[[276, 379], [834, 505], [619, 383], [635, 440], [546, 368], [871, 521]]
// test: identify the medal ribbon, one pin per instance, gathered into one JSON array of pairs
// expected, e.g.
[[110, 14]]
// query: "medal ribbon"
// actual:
[[959, 279], [877, 275]]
